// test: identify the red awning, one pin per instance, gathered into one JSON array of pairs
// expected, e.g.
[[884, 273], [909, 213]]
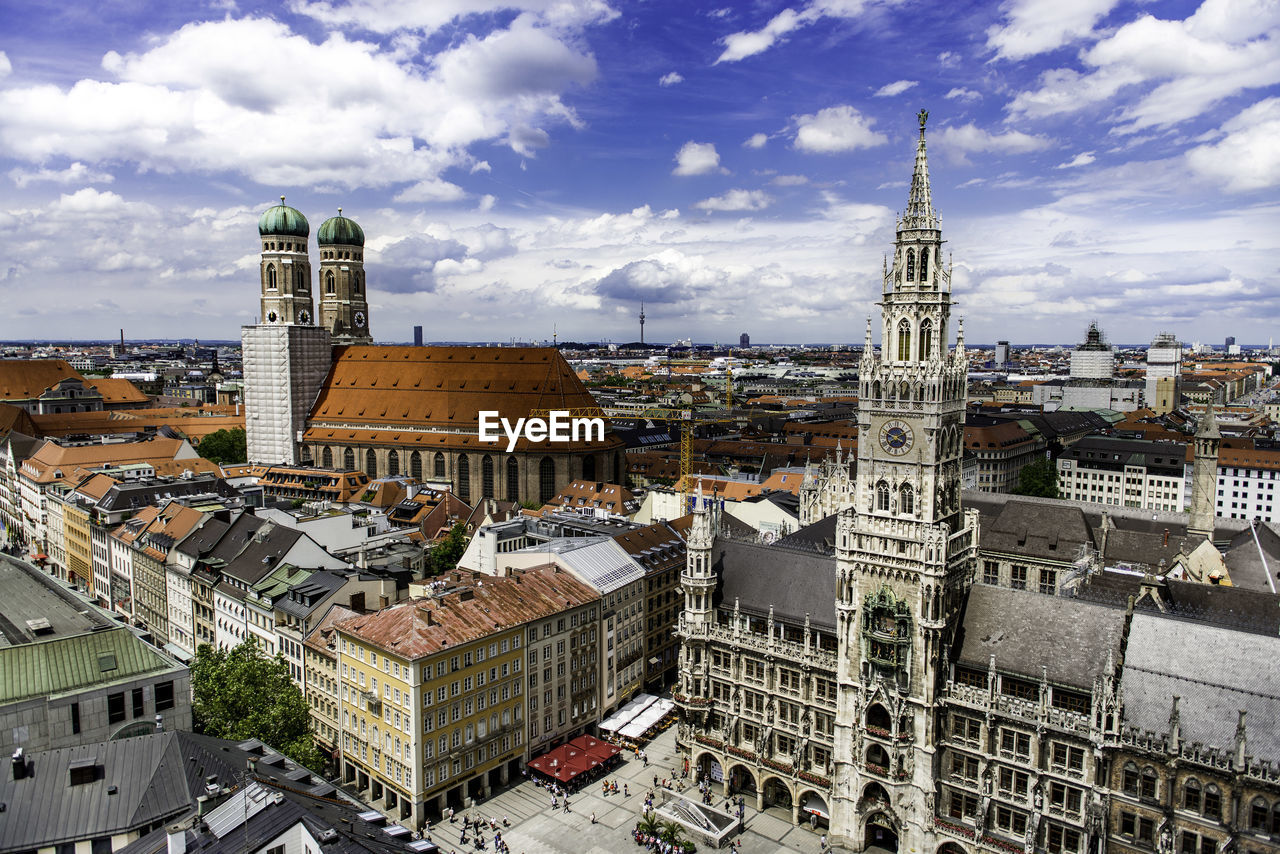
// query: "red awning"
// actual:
[[39, 557], [574, 759]]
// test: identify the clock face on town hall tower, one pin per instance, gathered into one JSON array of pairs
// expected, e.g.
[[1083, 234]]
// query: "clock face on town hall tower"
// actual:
[[895, 437]]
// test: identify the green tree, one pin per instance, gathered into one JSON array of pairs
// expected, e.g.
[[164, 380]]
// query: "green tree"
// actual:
[[1039, 478], [225, 446], [648, 824], [242, 693], [446, 553], [673, 834]]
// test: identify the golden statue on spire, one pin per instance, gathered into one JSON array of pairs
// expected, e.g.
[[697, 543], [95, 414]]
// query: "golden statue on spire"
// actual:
[[923, 116]]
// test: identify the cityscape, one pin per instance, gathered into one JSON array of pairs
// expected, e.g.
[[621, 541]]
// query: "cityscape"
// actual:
[[605, 381]]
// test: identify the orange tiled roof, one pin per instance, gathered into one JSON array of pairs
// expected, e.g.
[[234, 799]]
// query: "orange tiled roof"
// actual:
[[16, 418], [734, 490], [582, 494], [25, 379], [118, 390], [383, 390], [52, 462], [424, 627], [96, 485]]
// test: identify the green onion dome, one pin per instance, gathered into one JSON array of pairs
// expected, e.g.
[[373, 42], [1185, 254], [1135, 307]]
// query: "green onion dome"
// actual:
[[284, 221], [338, 230]]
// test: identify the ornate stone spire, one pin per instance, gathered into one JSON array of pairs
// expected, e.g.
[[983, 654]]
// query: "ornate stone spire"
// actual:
[[920, 203]]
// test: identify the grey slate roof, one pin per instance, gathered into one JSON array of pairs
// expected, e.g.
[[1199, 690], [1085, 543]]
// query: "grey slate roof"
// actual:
[[1027, 631], [147, 773], [303, 599], [795, 582], [157, 778], [1215, 671], [26, 593], [1236, 608]]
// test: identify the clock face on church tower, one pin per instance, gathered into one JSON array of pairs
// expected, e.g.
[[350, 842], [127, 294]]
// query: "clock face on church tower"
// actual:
[[359, 319], [895, 437]]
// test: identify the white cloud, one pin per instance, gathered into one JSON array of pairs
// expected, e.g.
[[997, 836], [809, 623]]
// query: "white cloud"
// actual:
[[76, 173], [738, 46], [839, 128], [737, 200], [756, 140], [6, 67], [789, 180], [962, 94], [1178, 68], [697, 158], [433, 190], [1084, 158], [486, 202], [427, 16], [206, 99], [958, 142], [1247, 158], [895, 88], [671, 78], [1032, 27]]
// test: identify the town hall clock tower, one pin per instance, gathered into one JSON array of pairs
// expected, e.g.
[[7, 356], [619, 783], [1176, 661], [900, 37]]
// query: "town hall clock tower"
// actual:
[[905, 549]]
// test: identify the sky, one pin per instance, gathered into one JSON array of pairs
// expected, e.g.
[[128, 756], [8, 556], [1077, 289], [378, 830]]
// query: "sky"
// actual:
[[524, 167]]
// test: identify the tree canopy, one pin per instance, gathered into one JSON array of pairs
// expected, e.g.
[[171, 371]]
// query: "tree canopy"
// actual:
[[447, 551], [225, 446], [1039, 478], [242, 693]]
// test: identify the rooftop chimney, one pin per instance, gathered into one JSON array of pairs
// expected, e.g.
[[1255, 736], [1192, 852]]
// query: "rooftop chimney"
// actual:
[[177, 840], [19, 765]]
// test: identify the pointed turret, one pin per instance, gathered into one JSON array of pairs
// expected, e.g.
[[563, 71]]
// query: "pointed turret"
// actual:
[[1204, 477], [919, 213]]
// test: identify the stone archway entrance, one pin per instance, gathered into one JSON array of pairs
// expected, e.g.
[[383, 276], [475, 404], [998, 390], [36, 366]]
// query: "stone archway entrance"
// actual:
[[777, 793], [880, 834]]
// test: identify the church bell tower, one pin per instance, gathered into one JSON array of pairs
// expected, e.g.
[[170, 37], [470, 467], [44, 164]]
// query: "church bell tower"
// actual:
[[905, 550], [285, 355]]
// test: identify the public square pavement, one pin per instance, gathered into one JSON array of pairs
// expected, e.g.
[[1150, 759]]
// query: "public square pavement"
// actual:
[[535, 829]]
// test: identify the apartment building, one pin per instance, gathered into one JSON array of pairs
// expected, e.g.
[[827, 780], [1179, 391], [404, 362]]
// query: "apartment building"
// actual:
[[432, 691], [1125, 472]]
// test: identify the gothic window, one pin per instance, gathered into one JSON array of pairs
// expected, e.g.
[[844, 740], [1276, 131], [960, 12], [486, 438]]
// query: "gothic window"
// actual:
[[924, 264], [882, 496], [1212, 803], [589, 467], [438, 467], [878, 717], [546, 480], [393, 463], [904, 341], [513, 479], [911, 265], [348, 460], [464, 478], [906, 499], [415, 465], [328, 282], [271, 277], [326, 458], [370, 463], [926, 339], [355, 283], [486, 477], [875, 390], [1148, 787]]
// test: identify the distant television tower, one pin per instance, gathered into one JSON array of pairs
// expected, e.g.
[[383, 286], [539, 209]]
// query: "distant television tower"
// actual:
[[641, 323]]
